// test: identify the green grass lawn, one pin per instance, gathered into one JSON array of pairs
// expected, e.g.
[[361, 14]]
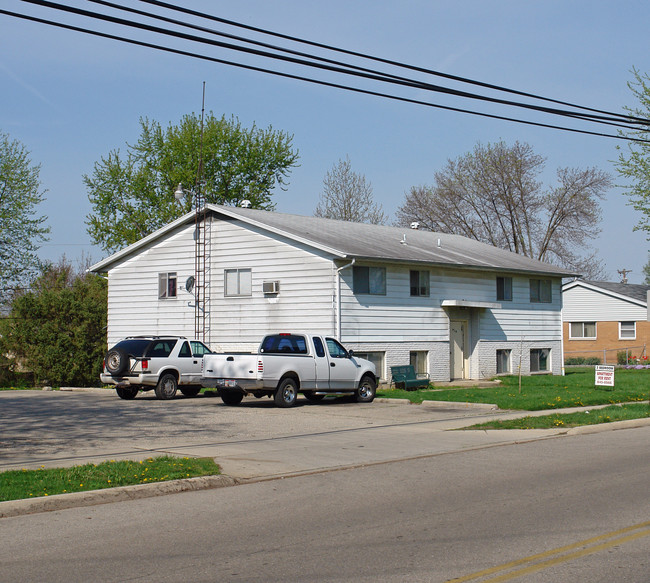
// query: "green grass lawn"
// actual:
[[18, 484], [568, 420], [575, 389]]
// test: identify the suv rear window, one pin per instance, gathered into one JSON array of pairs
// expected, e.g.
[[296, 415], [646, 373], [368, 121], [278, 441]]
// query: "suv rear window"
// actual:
[[134, 347], [161, 348], [284, 344]]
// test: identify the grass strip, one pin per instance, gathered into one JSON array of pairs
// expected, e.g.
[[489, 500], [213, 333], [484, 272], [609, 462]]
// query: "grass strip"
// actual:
[[568, 420], [19, 484], [575, 389]]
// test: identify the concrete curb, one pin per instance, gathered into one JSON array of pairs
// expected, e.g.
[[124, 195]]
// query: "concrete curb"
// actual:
[[108, 495], [443, 404], [613, 426], [461, 405]]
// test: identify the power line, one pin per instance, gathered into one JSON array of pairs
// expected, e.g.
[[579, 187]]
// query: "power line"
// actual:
[[332, 66], [379, 59], [380, 77]]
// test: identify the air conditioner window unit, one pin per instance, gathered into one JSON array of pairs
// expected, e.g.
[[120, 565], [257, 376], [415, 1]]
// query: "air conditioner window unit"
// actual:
[[271, 287]]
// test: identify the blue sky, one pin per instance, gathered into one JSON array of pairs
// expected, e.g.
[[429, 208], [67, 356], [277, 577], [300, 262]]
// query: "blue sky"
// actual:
[[72, 98]]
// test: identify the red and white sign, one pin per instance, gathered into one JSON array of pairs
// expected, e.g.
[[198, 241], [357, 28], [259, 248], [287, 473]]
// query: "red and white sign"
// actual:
[[605, 376]]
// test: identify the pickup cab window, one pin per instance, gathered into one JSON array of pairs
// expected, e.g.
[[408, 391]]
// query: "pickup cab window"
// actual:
[[284, 344], [318, 345], [335, 349]]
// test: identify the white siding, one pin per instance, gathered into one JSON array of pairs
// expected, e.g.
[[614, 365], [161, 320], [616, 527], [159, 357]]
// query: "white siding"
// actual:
[[399, 317], [133, 304], [306, 281], [587, 305]]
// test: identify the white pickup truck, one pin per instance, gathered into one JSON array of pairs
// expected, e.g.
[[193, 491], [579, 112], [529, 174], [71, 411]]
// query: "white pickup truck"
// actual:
[[287, 364]]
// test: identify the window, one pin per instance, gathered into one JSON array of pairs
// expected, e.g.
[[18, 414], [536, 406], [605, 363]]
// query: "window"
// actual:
[[582, 330], [369, 280], [335, 349], [377, 358], [504, 289], [199, 349], [166, 285], [318, 345], [418, 360], [238, 282], [540, 291], [540, 359], [185, 351], [627, 330], [503, 361], [420, 283], [160, 348], [282, 343]]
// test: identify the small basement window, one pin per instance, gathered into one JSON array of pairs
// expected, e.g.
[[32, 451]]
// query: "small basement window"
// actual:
[[503, 361], [540, 359]]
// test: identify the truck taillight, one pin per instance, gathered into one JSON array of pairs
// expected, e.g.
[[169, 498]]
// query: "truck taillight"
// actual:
[[145, 364], [260, 366]]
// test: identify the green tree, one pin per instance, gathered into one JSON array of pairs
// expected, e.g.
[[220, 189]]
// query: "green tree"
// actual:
[[347, 196], [57, 328], [493, 194], [21, 229], [633, 162], [132, 195], [646, 271]]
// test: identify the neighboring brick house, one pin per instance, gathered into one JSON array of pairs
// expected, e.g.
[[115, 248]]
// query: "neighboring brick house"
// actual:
[[601, 319]]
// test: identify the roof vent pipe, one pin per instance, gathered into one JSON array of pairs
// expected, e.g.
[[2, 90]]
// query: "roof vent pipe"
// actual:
[[439, 242], [415, 225]]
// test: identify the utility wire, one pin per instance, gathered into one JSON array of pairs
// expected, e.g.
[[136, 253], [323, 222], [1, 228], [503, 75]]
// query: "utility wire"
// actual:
[[382, 60], [339, 68], [307, 79]]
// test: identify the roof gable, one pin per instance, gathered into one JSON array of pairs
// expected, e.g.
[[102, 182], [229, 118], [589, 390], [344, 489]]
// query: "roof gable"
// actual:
[[625, 291]]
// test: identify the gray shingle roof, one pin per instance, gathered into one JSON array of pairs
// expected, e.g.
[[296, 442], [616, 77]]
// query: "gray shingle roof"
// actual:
[[401, 244], [631, 290], [348, 240]]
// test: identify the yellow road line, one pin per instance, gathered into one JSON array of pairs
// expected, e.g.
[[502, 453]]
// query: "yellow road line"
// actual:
[[616, 537]]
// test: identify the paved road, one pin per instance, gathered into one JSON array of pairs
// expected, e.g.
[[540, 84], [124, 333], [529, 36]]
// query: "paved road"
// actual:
[[548, 511]]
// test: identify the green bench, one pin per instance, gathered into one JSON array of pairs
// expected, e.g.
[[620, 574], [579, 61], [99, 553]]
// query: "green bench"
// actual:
[[405, 377]]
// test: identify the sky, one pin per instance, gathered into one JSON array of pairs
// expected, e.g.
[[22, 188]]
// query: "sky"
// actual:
[[71, 98]]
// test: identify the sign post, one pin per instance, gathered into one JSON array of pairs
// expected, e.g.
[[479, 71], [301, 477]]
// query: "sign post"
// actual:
[[604, 375]]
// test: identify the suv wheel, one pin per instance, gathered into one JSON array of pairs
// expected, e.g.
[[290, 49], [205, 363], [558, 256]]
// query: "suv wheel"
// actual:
[[127, 393], [117, 361], [166, 387]]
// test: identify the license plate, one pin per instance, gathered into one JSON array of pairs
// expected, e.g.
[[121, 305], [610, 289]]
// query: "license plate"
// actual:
[[226, 383]]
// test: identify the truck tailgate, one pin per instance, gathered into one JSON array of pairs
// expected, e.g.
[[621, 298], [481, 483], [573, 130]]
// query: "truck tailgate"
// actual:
[[230, 366]]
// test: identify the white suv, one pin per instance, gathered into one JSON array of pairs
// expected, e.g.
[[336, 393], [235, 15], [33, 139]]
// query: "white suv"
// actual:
[[161, 363]]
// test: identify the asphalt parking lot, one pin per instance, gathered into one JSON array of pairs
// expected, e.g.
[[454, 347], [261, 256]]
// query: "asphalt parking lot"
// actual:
[[65, 427]]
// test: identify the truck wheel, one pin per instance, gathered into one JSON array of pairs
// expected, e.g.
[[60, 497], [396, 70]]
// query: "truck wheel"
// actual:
[[231, 397], [166, 387], [366, 391], [117, 361], [286, 394], [191, 390], [127, 393]]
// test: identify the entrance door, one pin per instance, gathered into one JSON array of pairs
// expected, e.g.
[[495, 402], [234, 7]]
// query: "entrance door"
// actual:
[[457, 348]]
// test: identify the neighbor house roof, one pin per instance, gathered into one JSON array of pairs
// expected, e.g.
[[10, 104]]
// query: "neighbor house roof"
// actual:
[[630, 291], [347, 240]]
